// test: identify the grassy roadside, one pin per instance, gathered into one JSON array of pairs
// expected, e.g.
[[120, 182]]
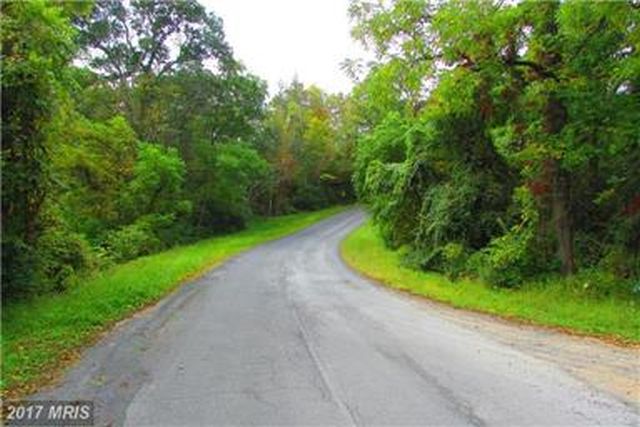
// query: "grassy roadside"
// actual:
[[549, 304], [42, 335]]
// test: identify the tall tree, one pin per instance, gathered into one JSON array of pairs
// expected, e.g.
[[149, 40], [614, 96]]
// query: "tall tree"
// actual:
[[124, 41], [306, 149], [528, 75], [132, 45], [37, 45]]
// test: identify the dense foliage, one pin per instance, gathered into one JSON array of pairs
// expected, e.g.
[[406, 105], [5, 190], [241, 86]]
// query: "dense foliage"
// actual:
[[489, 138], [501, 139], [309, 148], [129, 127]]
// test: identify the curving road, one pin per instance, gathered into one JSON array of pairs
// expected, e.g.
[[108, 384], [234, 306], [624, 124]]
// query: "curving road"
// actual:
[[285, 334]]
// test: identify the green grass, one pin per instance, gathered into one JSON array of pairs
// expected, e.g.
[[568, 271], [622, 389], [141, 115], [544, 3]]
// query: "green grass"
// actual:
[[550, 303], [41, 334]]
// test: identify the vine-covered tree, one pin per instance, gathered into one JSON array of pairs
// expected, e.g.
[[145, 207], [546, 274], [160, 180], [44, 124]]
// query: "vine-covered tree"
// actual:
[[510, 143], [37, 44]]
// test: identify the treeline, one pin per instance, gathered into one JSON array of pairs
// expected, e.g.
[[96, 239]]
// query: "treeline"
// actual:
[[129, 127], [488, 139], [502, 139]]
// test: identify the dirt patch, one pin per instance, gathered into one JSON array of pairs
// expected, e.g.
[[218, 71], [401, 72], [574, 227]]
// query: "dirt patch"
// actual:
[[610, 366], [607, 363]]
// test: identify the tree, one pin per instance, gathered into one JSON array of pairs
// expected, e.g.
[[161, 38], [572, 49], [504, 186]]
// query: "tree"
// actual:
[[509, 89], [194, 99], [37, 44], [128, 41], [154, 136], [133, 45], [91, 164], [306, 149]]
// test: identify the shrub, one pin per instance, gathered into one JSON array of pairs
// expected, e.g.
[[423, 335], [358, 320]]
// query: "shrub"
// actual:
[[455, 257], [17, 267], [509, 259], [137, 239], [61, 255], [621, 262], [309, 196]]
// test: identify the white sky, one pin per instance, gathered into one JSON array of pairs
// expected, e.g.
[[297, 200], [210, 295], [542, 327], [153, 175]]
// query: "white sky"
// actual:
[[278, 39]]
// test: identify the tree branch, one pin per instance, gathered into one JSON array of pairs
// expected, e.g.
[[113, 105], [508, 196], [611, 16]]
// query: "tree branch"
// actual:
[[539, 69]]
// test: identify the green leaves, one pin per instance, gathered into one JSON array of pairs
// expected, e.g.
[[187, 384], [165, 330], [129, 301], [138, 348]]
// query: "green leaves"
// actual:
[[157, 182], [240, 176], [486, 98], [130, 40], [157, 136], [309, 140], [36, 46]]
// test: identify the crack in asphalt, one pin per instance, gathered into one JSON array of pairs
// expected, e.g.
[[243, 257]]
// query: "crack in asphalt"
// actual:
[[319, 366], [459, 405]]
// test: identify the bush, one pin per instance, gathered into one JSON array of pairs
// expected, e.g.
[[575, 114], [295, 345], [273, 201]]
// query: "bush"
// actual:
[[455, 258], [17, 267], [508, 259], [307, 197], [621, 262], [137, 239], [61, 255]]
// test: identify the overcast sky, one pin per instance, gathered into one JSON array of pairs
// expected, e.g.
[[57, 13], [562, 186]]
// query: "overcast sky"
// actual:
[[277, 39]]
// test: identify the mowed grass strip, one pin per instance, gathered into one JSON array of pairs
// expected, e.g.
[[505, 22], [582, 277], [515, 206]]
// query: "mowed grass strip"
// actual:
[[40, 335], [547, 303]]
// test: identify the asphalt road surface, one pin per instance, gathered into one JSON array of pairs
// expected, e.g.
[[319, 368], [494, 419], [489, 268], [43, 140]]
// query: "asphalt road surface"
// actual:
[[286, 334]]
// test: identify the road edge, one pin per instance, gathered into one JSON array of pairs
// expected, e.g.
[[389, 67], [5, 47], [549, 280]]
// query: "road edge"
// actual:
[[508, 319]]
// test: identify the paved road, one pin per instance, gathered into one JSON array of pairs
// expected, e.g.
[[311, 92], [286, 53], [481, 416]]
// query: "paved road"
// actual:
[[287, 335]]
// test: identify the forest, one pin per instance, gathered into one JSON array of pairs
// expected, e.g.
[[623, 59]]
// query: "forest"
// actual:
[[131, 128], [488, 139], [502, 141]]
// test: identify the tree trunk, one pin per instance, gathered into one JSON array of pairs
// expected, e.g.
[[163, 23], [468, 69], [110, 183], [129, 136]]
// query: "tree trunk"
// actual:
[[560, 206], [555, 118]]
